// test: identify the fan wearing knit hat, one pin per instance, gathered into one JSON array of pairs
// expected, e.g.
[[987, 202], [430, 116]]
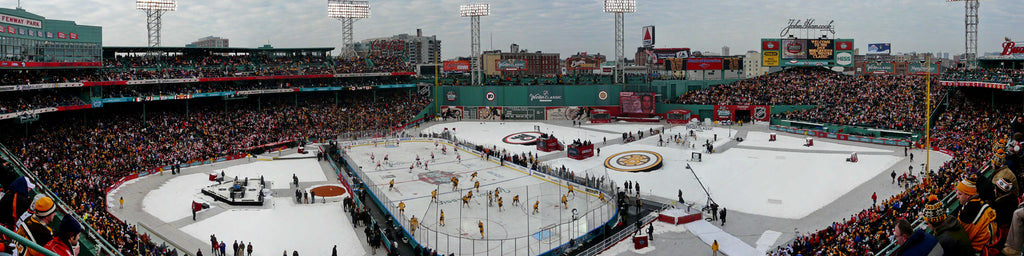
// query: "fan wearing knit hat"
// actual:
[[976, 216], [951, 235], [36, 228]]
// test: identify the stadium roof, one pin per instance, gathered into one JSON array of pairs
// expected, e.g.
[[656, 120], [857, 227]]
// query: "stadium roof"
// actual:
[[112, 50]]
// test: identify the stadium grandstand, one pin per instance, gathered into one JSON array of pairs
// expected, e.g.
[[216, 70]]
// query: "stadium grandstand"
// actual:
[[80, 118]]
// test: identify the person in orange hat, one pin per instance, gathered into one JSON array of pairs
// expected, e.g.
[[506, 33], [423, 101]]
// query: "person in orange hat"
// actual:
[[976, 216], [36, 228]]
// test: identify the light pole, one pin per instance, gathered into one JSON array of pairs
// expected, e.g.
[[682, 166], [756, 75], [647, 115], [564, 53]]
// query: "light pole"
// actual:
[[474, 11], [619, 8], [348, 12], [155, 9]]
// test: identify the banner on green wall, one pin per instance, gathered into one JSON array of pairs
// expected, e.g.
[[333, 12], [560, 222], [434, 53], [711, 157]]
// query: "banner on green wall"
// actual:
[[546, 96]]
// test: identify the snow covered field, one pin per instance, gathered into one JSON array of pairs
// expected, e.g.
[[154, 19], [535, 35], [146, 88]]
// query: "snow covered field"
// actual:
[[312, 229]]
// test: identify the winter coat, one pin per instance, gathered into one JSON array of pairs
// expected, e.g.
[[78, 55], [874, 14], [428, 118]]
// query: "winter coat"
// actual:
[[953, 238], [920, 244], [978, 219], [59, 247]]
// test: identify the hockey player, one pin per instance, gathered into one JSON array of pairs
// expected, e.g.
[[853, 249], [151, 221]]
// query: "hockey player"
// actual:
[[565, 202], [469, 194], [536, 207], [385, 158], [458, 157], [371, 157], [496, 192], [500, 204], [472, 176], [571, 191], [490, 199], [433, 195], [413, 223], [455, 183], [444, 150], [425, 167], [431, 156], [481, 225], [378, 165], [391, 185], [435, 144], [401, 207], [465, 200], [515, 200], [441, 221], [476, 185], [600, 196], [410, 168]]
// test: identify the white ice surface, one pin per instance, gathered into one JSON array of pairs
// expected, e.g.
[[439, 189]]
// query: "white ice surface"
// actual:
[[311, 229], [761, 182], [173, 200]]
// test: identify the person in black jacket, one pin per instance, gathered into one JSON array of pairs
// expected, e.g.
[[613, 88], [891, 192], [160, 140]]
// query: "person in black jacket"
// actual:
[[952, 237]]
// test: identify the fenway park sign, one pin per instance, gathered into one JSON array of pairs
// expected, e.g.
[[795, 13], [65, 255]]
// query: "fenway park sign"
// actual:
[[1010, 48]]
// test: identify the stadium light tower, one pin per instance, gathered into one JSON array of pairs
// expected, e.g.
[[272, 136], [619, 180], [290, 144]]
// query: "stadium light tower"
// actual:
[[970, 32], [155, 9], [348, 12], [619, 8], [474, 11]]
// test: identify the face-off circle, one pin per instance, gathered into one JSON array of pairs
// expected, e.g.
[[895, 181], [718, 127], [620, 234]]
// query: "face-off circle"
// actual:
[[523, 138], [634, 161]]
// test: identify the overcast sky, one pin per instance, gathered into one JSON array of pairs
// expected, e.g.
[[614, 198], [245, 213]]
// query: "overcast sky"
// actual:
[[562, 26]]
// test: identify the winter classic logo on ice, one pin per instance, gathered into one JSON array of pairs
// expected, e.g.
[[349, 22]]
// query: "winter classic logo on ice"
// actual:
[[523, 138], [634, 161]]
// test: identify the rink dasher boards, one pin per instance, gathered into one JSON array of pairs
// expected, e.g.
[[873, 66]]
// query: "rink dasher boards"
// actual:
[[506, 230]]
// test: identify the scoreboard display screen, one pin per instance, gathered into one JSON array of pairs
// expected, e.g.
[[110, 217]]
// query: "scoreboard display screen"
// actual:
[[636, 102], [821, 49]]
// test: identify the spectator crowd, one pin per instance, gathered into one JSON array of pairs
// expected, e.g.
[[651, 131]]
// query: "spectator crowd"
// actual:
[[971, 130], [78, 158], [889, 102]]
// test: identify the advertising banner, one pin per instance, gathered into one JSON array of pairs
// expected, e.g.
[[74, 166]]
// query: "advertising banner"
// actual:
[[922, 69], [455, 66], [452, 112], [876, 68], [770, 58], [794, 49], [844, 58], [804, 63], [648, 36], [673, 64], [523, 113], [637, 102], [510, 65], [704, 64], [732, 64], [582, 64], [489, 113], [565, 113], [751, 112], [770, 44], [882, 48], [821, 49], [546, 95], [844, 44]]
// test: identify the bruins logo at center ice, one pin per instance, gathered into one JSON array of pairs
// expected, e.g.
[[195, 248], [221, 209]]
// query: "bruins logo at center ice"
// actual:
[[634, 161]]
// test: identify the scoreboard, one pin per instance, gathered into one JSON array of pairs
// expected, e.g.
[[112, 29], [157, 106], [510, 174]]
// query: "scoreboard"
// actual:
[[794, 52]]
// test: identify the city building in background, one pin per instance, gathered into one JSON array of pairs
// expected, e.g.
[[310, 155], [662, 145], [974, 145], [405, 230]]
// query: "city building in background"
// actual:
[[415, 49], [752, 65], [210, 42], [520, 63], [30, 40]]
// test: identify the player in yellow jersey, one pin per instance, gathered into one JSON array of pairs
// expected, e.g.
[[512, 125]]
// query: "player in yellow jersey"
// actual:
[[442, 218], [401, 207], [564, 202], [536, 207]]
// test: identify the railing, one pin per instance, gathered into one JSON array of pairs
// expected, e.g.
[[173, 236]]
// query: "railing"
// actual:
[[614, 239]]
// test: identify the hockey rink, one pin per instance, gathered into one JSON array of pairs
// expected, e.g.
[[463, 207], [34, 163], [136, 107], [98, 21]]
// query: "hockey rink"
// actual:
[[514, 229]]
